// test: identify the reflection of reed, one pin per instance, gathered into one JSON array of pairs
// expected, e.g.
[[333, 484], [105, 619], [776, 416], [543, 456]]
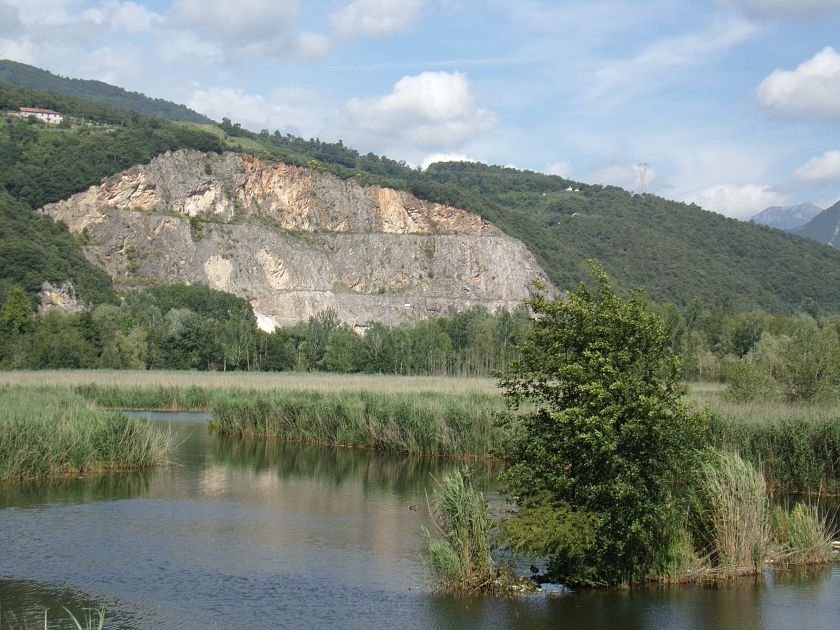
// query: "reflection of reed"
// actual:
[[376, 471], [97, 487], [27, 603]]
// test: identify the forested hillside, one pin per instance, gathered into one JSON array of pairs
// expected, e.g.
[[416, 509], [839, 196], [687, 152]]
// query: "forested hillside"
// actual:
[[41, 163], [679, 253], [34, 78], [823, 228]]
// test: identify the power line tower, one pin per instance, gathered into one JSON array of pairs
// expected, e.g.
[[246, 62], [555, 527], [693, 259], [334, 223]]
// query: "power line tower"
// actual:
[[643, 169]]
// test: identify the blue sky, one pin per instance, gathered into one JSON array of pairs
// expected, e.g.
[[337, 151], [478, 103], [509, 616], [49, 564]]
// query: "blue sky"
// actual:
[[733, 104]]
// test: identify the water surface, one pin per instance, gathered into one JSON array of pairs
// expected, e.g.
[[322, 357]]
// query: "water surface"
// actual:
[[241, 533]]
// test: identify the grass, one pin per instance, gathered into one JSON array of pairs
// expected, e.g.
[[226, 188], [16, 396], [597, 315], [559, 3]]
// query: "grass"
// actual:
[[797, 446], [452, 425], [735, 514], [803, 535], [460, 559], [47, 432], [453, 417], [315, 381]]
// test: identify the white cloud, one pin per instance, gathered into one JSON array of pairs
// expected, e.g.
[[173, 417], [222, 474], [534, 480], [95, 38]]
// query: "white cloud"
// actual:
[[736, 200], [181, 46], [433, 110], [240, 21], [785, 7], [291, 46], [122, 16], [21, 50], [562, 168], [444, 157], [821, 169], [670, 53], [811, 90], [375, 18], [9, 19], [289, 110]]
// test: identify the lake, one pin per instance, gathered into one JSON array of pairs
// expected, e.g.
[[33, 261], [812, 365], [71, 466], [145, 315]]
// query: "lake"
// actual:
[[240, 533]]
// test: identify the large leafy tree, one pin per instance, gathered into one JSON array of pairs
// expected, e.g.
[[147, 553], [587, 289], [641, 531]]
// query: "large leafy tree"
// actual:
[[596, 468]]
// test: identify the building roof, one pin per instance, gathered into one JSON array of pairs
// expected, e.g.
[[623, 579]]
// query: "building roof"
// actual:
[[37, 110]]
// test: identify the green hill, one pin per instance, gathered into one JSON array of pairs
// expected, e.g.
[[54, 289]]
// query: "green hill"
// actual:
[[42, 163], [34, 78], [680, 253], [823, 228]]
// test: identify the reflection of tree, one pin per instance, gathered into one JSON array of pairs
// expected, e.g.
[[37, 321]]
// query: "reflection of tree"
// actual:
[[404, 475], [77, 490]]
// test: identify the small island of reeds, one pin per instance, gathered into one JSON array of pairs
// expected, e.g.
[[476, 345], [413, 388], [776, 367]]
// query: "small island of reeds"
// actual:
[[48, 432]]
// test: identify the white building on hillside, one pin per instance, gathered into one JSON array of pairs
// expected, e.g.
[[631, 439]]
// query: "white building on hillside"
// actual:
[[46, 115]]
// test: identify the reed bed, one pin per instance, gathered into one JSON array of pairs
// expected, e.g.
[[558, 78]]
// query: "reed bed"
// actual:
[[452, 425], [796, 446], [47, 432], [315, 381]]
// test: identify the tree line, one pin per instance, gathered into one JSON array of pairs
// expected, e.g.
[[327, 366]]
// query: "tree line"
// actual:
[[196, 328]]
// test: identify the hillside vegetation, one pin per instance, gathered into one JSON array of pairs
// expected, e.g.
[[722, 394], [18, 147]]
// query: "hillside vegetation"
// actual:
[[41, 163], [678, 252], [34, 78]]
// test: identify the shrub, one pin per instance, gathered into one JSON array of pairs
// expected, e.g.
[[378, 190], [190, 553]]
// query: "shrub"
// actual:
[[612, 439]]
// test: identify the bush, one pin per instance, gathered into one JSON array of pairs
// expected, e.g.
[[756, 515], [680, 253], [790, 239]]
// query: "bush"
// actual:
[[612, 440]]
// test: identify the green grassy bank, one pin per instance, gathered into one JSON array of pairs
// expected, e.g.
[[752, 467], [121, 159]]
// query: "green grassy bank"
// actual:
[[51, 432]]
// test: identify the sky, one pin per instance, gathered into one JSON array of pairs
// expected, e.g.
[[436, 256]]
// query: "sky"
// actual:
[[730, 104]]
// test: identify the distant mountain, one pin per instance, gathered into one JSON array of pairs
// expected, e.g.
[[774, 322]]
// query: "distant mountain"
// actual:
[[34, 78], [787, 217], [824, 228]]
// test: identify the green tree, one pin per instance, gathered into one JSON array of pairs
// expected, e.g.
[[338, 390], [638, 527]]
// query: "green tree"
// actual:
[[612, 437], [16, 314]]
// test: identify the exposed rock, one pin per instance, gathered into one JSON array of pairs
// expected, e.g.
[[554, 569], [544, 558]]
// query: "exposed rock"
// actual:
[[62, 298], [294, 241]]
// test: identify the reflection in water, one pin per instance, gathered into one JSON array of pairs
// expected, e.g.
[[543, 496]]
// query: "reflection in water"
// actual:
[[401, 474], [244, 533], [105, 487], [23, 604]]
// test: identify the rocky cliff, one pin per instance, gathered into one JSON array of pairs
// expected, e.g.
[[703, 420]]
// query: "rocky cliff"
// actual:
[[295, 241]]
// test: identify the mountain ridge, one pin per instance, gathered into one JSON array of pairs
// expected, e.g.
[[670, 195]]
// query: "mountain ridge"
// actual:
[[824, 227], [787, 218], [23, 75]]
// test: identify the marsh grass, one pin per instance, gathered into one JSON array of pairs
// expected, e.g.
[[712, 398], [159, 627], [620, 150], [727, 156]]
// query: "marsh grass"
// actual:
[[797, 446], [309, 381], [734, 514], [802, 534], [48, 432], [460, 559], [451, 425]]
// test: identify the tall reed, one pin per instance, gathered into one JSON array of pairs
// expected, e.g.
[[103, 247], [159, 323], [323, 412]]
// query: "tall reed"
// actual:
[[734, 514], [803, 535], [47, 432], [460, 559], [458, 425]]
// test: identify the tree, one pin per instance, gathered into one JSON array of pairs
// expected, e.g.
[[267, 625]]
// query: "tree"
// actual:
[[611, 439]]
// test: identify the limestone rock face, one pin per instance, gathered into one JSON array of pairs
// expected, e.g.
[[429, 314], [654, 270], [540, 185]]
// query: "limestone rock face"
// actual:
[[295, 241]]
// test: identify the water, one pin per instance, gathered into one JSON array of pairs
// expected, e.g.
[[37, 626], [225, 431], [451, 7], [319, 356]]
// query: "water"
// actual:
[[253, 534]]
